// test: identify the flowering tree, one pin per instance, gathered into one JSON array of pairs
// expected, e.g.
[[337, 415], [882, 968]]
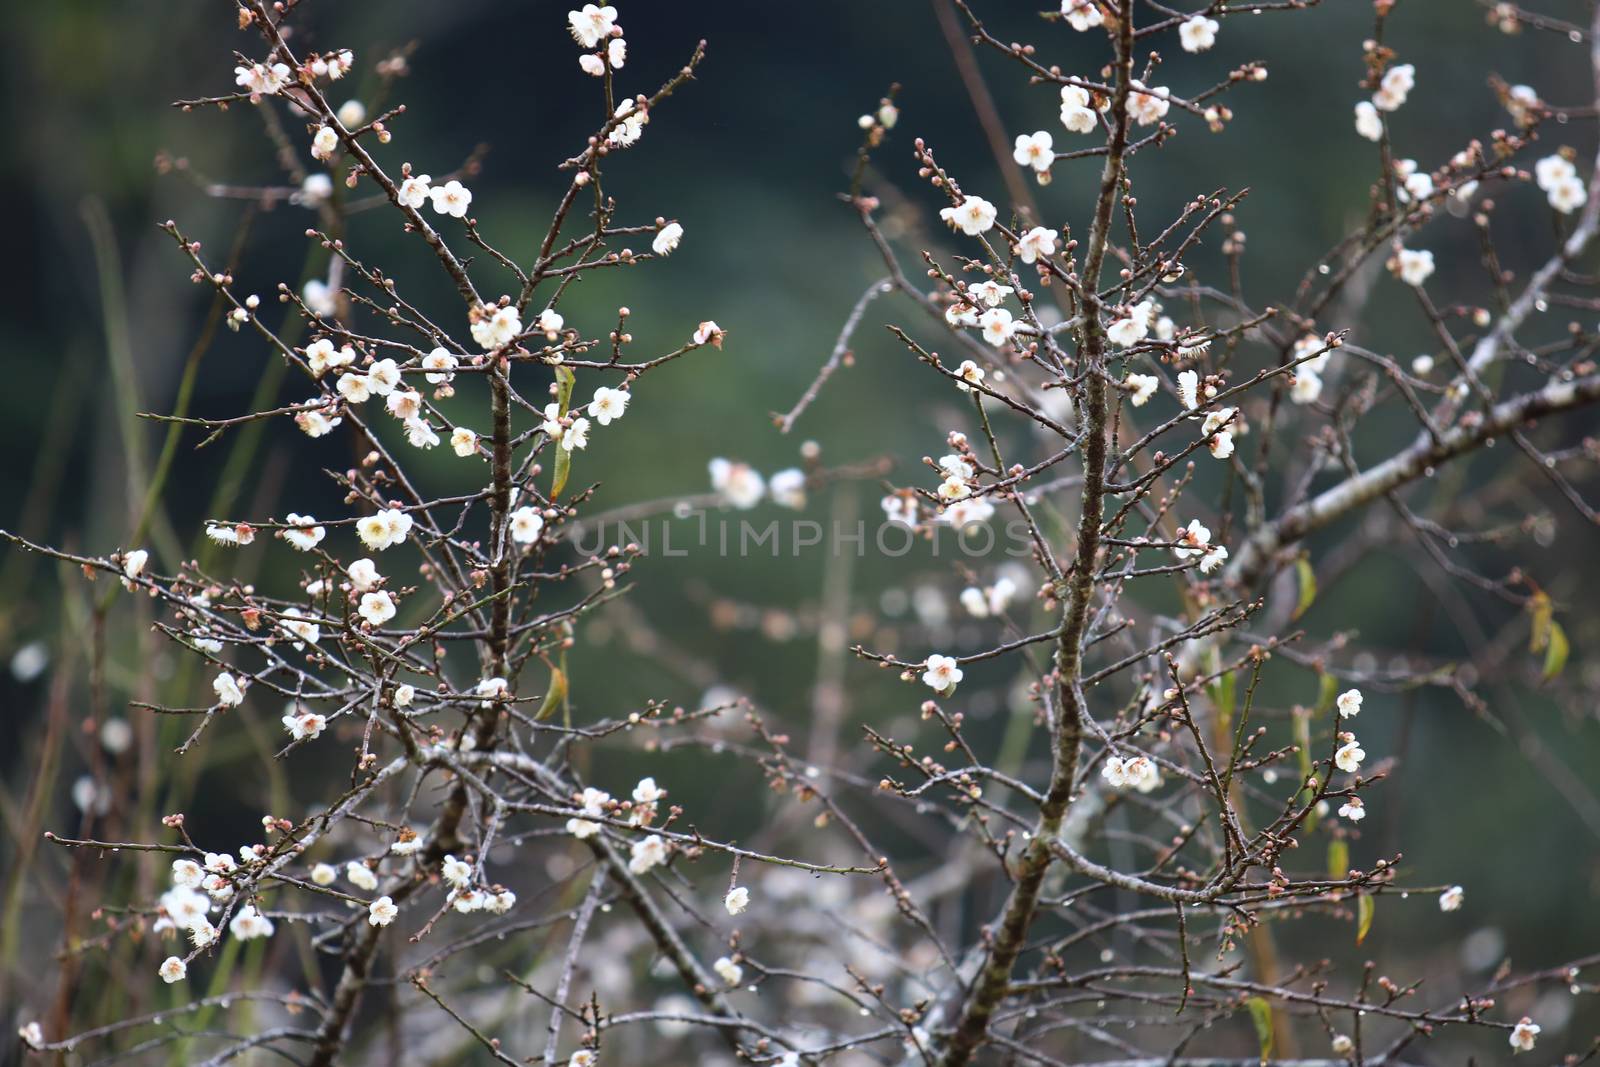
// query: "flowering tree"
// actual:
[[1110, 888]]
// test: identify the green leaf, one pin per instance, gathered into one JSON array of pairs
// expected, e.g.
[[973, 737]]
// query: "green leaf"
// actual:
[[1261, 1015], [1308, 586], [554, 695], [1365, 907], [565, 380], [1339, 859], [1555, 653]]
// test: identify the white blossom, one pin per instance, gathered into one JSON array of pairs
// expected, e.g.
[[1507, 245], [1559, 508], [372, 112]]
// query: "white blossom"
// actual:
[[457, 872], [1076, 113], [495, 326], [385, 529], [1569, 194], [1369, 123], [990, 293], [1082, 14], [1349, 703], [463, 441], [452, 198], [1414, 265], [187, 874], [788, 488], [666, 239], [608, 404], [304, 534], [1450, 899], [737, 900], [440, 366], [1146, 107], [1396, 85], [631, 128], [173, 970], [974, 215], [226, 687], [526, 525], [382, 912], [592, 24], [377, 608], [414, 190], [997, 325], [363, 575], [324, 142], [1038, 243], [1197, 33], [1141, 387], [360, 875], [740, 484], [249, 924], [648, 853], [1353, 809], [728, 971], [941, 673], [1036, 150], [1523, 1035], [262, 79], [1349, 755], [324, 874]]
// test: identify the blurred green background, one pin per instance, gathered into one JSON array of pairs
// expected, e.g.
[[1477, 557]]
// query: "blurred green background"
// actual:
[[749, 159]]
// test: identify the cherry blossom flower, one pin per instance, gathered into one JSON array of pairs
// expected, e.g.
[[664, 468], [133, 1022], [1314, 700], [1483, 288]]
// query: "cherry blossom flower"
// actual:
[[324, 142], [32, 1035], [576, 435], [414, 190], [1349, 703], [360, 875], [593, 802], [982, 603], [1415, 184], [941, 674], [463, 441], [974, 215], [377, 608], [452, 198], [592, 64], [304, 534], [173, 970], [1523, 1035], [592, 24], [385, 529], [315, 423], [1141, 387], [1414, 265], [302, 629], [1451, 899], [354, 388], [1396, 85], [1221, 440], [1342, 1045], [187, 874], [708, 332], [322, 356], [964, 513], [997, 325], [419, 434], [728, 971], [1369, 123], [648, 853], [496, 326], [1567, 195], [737, 900], [583, 1058], [990, 293], [261, 79], [608, 404], [229, 695], [382, 912], [788, 488], [404, 695], [1349, 755], [1146, 107], [1197, 33], [1082, 14], [1076, 113], [304, 724], [248, 924], [1038, 243], [1036, 150], [492, 689], [526, 525], [363, 575], [456, 872], [740, 484], [440, 366], [666, 239], [631, 128], [1307, 386], [324, 874], [1353, 809]]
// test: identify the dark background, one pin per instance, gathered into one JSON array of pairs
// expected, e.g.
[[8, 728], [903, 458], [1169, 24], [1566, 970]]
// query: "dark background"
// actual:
[[750, 159]]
